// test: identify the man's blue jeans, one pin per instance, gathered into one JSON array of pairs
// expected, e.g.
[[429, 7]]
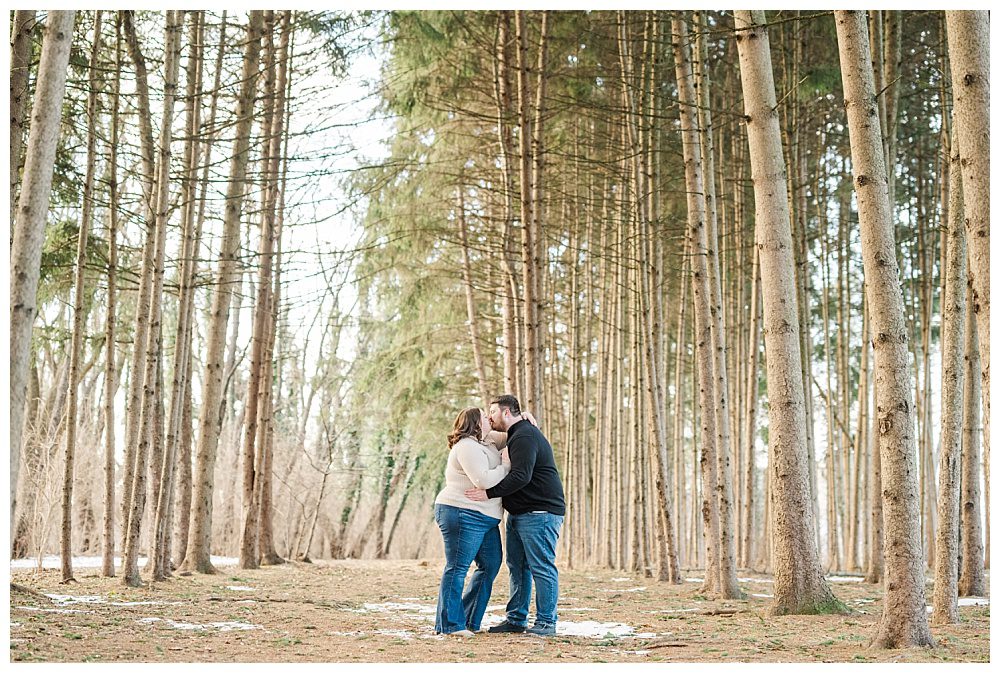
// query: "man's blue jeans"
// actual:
[[531, 554], [468, 536]]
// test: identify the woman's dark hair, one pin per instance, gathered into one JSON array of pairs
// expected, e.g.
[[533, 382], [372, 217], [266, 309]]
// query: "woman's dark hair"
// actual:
[[468, 423]]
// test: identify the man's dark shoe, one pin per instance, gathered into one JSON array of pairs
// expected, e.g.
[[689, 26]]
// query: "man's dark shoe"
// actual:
[[542, 630], [507, 627]]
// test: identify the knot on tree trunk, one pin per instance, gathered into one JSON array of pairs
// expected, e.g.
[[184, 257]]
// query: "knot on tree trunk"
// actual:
[[884, 425]]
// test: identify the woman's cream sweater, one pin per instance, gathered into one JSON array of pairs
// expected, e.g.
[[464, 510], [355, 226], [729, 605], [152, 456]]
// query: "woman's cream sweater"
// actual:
[[473, 464]]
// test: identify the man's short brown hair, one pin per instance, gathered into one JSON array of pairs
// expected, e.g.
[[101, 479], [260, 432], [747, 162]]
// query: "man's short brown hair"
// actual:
[[509, 402]]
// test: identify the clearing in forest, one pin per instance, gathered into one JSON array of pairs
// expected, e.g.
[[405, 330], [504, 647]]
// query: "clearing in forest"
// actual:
[[383, 611]]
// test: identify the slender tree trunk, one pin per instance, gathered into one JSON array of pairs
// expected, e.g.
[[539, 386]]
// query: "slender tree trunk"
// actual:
[[252, 435], [502, 97], [799, 586], [750, 413], [147, 155], [971, 578], [969, 48], [110, 371], [72, 399], [697, 232], [20, 64], [29, 231], [148, 435], [470, 301], [904, 618], [532, 393], [728, 586], [185, 309], [199, 537], [279, 176], [184, 484], [952, 386]]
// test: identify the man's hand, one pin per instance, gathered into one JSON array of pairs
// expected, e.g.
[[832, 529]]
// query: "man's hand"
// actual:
[[476, 494]]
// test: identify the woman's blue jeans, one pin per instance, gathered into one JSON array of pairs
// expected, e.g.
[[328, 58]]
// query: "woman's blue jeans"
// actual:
[[468, 536]]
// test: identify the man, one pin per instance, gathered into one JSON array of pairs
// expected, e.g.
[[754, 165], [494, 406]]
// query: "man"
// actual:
[[533, 497]]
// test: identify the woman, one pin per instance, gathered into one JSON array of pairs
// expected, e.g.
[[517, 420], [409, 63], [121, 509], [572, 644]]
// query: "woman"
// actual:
[[470, 529]]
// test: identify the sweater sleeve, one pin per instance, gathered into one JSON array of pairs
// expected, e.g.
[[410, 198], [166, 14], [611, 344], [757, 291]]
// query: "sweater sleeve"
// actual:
[[497, 439], [522, 450], [476, 465]]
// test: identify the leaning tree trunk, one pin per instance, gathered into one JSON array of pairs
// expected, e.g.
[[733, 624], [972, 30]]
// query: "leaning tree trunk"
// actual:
[[76, 342], [953, 381], [20, 63], [29, 231], [199, 536], [969, 49], [799, 586], [904, 618], [133, 399]]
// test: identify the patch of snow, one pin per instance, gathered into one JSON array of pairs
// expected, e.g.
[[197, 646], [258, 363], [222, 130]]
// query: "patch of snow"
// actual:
[[234, 588], [637, 652], [625, 590], [621, 579], [184, 626], [678, 610], [57, 610], [766, 580], [694, 579], [763, 595], [967, 601], [400, 607], [973, 600], [65, 599], [591, 629], [95, 562], [844, 578], [146, 602], [14, 625]]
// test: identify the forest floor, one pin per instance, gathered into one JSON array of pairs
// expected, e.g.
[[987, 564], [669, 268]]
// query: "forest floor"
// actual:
[[383, 611]]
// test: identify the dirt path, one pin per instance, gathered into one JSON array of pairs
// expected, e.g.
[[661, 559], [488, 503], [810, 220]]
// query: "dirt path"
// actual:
[[383, 611]]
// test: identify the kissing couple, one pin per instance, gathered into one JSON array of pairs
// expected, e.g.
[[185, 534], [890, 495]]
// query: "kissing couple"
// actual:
[[499, 461]]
